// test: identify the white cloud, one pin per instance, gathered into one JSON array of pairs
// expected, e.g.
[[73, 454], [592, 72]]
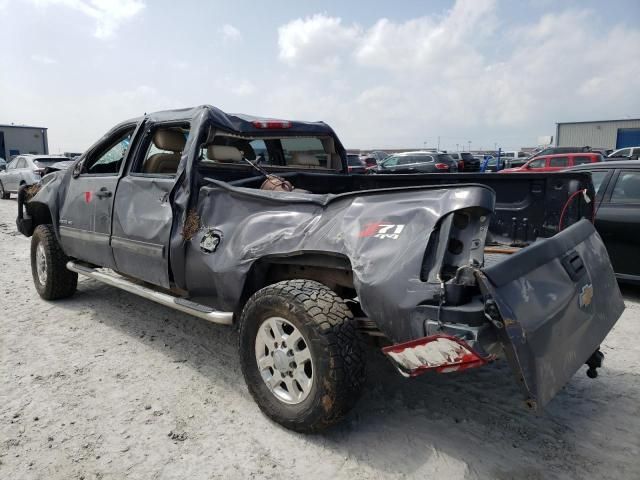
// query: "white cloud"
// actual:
[[457, 76], [243, 88], [230, 33], [43, 59], [108, 14], [318, 42]]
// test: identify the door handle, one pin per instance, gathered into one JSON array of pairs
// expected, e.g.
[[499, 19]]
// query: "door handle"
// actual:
[[104, 192]]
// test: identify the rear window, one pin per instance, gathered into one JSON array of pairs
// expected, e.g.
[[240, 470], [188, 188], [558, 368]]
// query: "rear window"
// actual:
[[49, 161], [559, 162], [467, 156], [306, 151], [442, 157], [311, 152], [353, 161], [418, 159], [582, 160]]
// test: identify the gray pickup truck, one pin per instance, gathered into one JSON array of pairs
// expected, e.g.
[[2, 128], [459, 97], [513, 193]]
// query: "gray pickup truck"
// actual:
[[255, 222]]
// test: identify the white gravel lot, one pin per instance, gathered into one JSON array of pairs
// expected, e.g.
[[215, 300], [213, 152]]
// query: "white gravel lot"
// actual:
[[107, 385]]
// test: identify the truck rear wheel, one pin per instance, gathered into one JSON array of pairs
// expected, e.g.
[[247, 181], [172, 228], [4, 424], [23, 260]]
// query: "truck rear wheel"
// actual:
[[300, 354], [49, 266]]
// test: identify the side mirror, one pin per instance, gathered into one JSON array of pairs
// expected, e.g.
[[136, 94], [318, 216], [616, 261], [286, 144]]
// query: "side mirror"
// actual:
[[77, 169]]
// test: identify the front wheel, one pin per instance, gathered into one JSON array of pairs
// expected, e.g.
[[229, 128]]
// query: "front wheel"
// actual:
[[49, 266], [4, 195], [300, 354]]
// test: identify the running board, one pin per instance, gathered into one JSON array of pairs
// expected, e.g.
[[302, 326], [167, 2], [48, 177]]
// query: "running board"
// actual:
[[177, 303]]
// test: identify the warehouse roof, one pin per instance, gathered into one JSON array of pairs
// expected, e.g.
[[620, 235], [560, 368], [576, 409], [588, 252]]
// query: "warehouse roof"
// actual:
[[11, 125], [602, 121]]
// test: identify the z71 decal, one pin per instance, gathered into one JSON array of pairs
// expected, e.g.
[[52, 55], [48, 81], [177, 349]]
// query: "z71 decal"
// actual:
[[382, 230]]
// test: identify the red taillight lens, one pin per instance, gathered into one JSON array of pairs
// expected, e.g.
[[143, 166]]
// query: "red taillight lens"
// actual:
[[442, 166], [442, 353], [267, 124]]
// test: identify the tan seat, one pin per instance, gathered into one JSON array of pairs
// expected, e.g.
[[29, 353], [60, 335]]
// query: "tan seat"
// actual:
[[224, 154], [165, 163], [304, 159]]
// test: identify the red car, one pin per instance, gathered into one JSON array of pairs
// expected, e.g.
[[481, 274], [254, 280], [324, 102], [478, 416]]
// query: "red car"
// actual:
[[554, 163]]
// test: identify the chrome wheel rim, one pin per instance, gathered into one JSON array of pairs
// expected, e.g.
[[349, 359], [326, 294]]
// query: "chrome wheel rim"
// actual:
[[41, 264], [284, 360]]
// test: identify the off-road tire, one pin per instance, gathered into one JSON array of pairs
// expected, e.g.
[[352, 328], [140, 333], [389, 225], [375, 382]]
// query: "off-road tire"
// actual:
[[3, 193], [328, 326], [60, 282]]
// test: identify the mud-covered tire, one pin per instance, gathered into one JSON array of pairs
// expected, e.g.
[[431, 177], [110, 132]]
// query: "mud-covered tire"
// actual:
[[328, 327], [57, 282], [3, 193]]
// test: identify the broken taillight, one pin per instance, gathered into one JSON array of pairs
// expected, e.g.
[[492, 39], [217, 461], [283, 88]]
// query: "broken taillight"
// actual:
[[442, 353], [267, 124]]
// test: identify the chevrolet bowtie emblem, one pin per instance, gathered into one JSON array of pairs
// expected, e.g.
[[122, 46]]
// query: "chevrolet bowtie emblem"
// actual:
[[586, 295]]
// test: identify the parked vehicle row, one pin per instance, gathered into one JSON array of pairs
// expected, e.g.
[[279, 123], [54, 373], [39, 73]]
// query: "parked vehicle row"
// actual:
[[556, 162]]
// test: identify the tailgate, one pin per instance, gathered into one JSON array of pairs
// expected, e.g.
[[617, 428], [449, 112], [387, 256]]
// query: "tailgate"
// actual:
[[558, 300]]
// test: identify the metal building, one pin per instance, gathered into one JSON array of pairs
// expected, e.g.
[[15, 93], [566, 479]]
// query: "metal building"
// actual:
[[609, 134], [19, 139]]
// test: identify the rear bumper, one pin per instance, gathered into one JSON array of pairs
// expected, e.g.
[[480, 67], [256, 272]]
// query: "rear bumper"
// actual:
[[546, 309]]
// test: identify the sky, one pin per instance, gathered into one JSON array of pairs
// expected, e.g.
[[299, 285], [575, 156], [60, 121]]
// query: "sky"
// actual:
[[393, 74]]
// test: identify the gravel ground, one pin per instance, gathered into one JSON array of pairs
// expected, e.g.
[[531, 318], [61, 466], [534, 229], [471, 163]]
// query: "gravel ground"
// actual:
[[108, 385]]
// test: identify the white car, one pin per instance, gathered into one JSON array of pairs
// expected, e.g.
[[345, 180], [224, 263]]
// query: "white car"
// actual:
[[632, 153], [24, 170]]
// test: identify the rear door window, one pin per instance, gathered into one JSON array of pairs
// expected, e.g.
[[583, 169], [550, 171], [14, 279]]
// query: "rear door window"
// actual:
[[582, 160], [559, 162], [627, 189]]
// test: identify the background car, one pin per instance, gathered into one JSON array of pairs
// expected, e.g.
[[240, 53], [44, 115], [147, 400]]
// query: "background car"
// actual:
[[629, 153], [379, 155], [3, 164], [466, 161], [355, 164], [617, 213], [370, 162], [418, 162], [554, 163], [25, 170]]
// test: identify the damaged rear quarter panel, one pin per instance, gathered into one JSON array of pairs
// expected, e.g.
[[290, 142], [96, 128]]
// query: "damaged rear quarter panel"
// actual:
[[386, 268]]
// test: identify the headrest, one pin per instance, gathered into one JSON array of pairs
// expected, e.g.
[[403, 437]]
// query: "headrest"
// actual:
[[170, 140], [304, 158], [224, 154]]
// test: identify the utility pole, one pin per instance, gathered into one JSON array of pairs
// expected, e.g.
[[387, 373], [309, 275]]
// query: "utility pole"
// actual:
[[438, 142], [469, 142], [457, 148]]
